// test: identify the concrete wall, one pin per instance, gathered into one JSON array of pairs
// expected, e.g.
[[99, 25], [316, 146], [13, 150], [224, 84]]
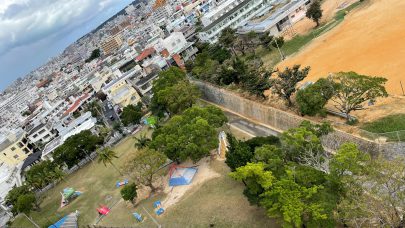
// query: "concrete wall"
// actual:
[[281, 120]]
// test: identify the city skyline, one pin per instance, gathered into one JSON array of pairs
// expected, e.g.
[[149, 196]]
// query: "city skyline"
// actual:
[[32, 32]]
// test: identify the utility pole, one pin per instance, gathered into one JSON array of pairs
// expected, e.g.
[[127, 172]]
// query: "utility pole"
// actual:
[[32, 221], [281, 54]]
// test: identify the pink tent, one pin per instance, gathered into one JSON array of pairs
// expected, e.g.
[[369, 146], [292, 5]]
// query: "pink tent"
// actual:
[[103, 210]]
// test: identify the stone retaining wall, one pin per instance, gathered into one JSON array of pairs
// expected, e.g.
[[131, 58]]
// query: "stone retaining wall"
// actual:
[[281, 120]]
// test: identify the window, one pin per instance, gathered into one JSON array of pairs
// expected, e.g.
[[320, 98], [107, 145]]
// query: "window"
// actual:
[[20, 145], [13, 148], [15, 156], [26, 151], [41, 131]]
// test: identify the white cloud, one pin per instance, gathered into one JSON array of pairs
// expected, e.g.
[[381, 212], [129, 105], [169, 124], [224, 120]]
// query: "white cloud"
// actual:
[[23, 22]]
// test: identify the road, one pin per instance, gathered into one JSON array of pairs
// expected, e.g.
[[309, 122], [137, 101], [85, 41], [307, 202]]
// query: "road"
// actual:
[[249, 127], [109, 112]]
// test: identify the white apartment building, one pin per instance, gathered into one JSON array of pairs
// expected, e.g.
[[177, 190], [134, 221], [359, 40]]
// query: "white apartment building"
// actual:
[[280, 21], [230, 13], [41, 134], [67, 128]]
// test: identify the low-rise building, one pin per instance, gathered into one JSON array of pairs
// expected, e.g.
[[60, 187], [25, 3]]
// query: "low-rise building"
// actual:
[[279, 21], [68, 127], [14, 148], [41, 134]]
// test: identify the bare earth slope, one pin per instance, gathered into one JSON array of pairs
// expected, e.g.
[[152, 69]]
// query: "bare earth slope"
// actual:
[[369, 41]]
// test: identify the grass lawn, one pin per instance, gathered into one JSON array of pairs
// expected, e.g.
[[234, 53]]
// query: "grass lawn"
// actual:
[[97, 183], [272, 57], [218, 201], [388, 125]]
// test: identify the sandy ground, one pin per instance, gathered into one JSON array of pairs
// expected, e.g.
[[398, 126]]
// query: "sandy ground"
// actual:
[[204, 173], [368, 41], [329, 8]]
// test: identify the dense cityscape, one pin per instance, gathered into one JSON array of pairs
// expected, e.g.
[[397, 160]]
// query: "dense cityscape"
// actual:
[[166, 95]]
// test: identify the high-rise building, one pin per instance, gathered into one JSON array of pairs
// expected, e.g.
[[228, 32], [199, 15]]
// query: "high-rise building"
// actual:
[[111, 44]]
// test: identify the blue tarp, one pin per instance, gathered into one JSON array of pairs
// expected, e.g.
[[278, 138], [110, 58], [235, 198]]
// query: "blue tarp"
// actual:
[[59, 223], [182, 176]]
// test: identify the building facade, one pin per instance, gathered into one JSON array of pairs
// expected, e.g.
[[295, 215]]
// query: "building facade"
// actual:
[[14, 148], [230, 13]]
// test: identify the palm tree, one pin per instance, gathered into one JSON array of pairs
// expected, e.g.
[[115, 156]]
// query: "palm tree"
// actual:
[[106, 155], [142, 141]]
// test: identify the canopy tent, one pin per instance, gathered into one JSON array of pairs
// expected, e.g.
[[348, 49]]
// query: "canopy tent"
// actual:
[[150, 121], [103, 210], [68, 194], [181, 175], [69, 221]]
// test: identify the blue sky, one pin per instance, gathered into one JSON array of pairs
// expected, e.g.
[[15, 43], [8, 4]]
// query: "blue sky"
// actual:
[[32, 31]]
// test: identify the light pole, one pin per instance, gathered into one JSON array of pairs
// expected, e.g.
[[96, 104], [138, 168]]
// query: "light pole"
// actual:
[[279, 50]]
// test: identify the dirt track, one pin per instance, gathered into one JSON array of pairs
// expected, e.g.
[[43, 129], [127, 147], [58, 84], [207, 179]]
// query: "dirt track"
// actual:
[[369, 41]]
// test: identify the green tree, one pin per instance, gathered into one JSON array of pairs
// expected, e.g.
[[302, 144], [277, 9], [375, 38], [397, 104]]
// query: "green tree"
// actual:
[[26, 203], [273, 158], [95, 109], [293, 203], [128, 193], [255, 178], [42, 174], [353, 90], [239, 153], [131, 114], [107, 155], [312, 99], [189, 135], [94, 55], [300, 143], [175, 99], [285, 83], [145, 166], [314, 12], [166, 85], [142, 141], [76, 148], [14, 194], [227, 38]]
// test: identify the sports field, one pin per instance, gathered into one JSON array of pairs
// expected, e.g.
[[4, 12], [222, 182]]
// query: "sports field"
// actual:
[[217, 200], [369, 41]]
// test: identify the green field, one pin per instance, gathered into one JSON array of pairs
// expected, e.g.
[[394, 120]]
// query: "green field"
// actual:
[[392, 127], [218, 201]]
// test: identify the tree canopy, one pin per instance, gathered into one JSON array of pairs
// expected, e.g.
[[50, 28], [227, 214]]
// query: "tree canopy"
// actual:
[[189, 135], [353, 90], [94, 55], [144, 166], [128, 192], [43, 173], [173, 93], [76, 148], [312, 99], [284, 85], [314, 12], [131, 114]]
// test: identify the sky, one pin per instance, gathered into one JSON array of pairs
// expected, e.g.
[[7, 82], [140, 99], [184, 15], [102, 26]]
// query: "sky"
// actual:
[[33, 31]]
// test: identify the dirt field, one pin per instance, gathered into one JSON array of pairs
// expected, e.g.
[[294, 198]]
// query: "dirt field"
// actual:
[[368, 41], [329, 8]]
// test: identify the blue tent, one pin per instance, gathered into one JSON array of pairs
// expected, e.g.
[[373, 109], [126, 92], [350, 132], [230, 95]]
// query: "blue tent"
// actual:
[[181, 176], [69, 221]]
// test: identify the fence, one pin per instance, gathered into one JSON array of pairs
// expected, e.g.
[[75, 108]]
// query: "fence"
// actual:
[[394, 136], [281, 121]]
